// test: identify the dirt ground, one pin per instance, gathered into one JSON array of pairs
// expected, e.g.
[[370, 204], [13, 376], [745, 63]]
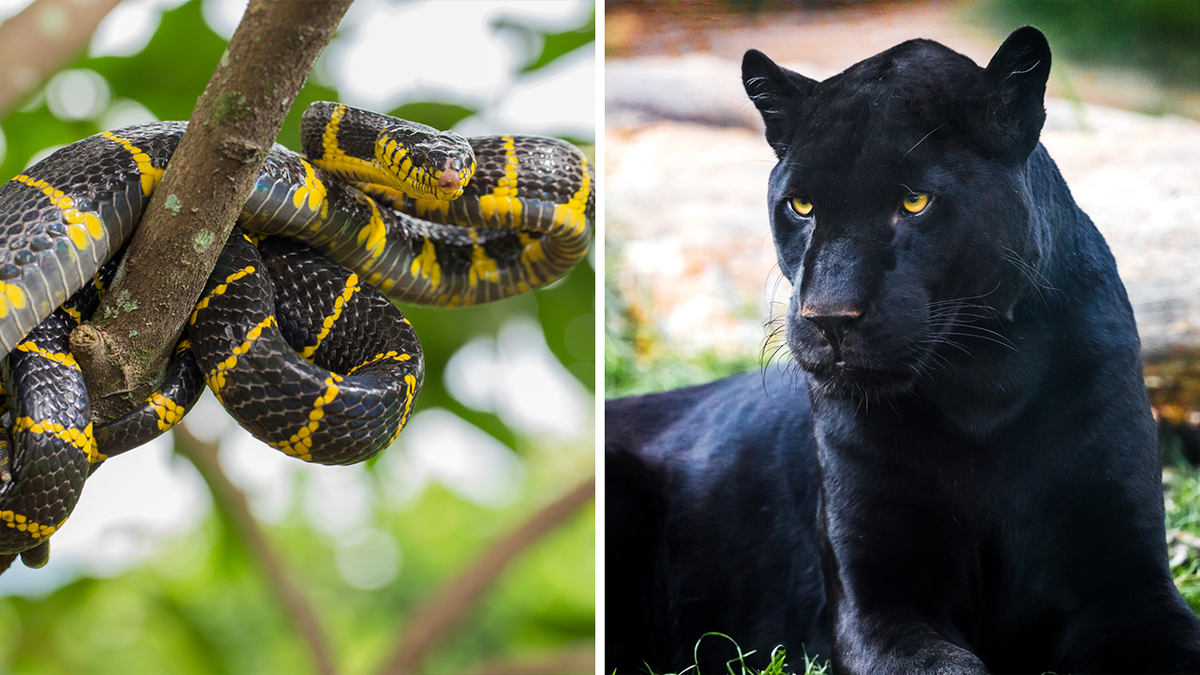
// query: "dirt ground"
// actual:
[[686, 166]]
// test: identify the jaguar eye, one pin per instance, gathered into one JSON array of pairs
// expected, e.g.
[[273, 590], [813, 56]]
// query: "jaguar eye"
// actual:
[[915, 203], [801, 207]]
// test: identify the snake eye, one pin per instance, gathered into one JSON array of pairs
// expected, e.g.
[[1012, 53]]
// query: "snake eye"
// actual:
[[915, 203], [800, 207]]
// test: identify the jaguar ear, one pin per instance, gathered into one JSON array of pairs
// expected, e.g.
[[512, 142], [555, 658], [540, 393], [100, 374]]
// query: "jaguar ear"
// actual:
[[1016, 80], [775, 92]]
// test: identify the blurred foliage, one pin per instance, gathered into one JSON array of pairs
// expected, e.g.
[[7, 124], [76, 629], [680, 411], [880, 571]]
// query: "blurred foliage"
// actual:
[[200, 606], [637, 357], [1182, 488], [436, 115], [1157, 36], [554, 45]]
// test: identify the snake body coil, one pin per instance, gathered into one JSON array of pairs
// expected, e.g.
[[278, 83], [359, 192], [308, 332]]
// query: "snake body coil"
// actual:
[[309, 356]]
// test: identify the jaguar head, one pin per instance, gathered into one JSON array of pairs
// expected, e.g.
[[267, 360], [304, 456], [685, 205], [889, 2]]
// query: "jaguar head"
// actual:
[[900, 207]]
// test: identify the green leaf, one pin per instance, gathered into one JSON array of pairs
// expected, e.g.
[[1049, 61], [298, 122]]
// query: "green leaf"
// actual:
[[554, 45], [436, 115]]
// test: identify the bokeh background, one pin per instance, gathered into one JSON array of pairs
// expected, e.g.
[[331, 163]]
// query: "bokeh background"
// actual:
[[691, 282], [151, 574]]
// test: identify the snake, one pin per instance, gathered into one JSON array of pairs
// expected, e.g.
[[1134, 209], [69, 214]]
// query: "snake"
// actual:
[[297, 331]]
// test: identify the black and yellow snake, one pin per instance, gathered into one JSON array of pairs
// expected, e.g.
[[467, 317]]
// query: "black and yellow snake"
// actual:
[[299, 341]]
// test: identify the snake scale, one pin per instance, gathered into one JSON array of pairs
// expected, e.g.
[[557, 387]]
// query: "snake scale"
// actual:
[[296, 332]]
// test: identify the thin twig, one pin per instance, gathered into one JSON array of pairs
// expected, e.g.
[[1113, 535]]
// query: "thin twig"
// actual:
[[446, 608], [233, 502]]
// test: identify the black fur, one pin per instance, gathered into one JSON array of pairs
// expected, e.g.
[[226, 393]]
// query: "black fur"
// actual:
[[711, 529], [978, 476]]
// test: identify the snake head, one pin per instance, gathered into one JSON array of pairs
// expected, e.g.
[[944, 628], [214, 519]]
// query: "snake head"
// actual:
[[426, 163]]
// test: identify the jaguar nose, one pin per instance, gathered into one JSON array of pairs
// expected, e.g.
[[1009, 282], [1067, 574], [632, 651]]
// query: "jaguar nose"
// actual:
[[832, 323]]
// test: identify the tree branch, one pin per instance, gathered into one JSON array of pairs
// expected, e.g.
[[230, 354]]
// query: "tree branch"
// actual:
[[233, 502], [202, 193], [40, 39], [446, 608]]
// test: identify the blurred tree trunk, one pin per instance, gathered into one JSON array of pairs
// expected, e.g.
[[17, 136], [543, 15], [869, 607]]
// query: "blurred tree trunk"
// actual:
[[41, 39]]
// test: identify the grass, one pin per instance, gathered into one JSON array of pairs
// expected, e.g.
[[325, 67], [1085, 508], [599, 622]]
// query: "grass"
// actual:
[[1182, 488], [777, 666]]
